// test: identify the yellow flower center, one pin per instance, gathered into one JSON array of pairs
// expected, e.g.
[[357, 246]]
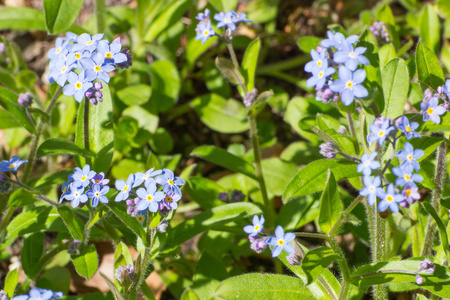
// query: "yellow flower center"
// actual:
[[389, 198], [125, 188], [281, 242], [89, 43], [170, 182], [321, 74], [408, 192], [430, 111], [97, 68], [78, 85], [83, 178], [169, 199], [12, 166], [63, 70], [410, 157], [352, 55], [256, 227], [97, 181], [227, 21], [349, 84], [64, 190], [407, 177], [149, 198], [206, 32], [140, 219], [58, 50], [408, 129], [319, 63], [97, 194], [77, 56], [381, 133], [108, 55]]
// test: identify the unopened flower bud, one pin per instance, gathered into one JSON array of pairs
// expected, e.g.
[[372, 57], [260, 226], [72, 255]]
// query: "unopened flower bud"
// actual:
[[162, 226], [124, 274], [440, 89], [328, 150], [2, 47], [419, 279], [3, 295], [427, 95], [98, 85], [117, 40], [430, 270], [74, 247], [257, 243], [342, 130], [293, 259], [223, 196], [237, 196], [25, 99], [128, 63]]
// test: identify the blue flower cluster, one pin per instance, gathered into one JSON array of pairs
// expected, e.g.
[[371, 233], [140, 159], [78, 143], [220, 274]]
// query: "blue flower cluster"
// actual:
[[431, 110], [338, 53], [229, 20], [11, 165], [281, 241], [160, 192], [77, 62], [39, 294], [85, 179]]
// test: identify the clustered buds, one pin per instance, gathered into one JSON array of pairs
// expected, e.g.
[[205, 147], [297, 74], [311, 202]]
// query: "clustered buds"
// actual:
[[378, 28], [248, 99], [234, 196], [124, 274], [293, 259], [25, 100], [74, 247], [328, 150], [258, 243], [427, 266], [94, 95]]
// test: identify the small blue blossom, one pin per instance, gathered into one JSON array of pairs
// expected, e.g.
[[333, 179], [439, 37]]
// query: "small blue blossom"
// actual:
[[351, 57], [337, 39], [60, 45], [76, 195], [410, 194], [65, 188], [317, 60], [61, 70], [169, 182], [380, 133], [170, 200], [78, 85], [83, 177], [76, 57], [281, 241], [204, 31], [111, 52], [149, 198], [85, 42], [146, 177], [372, 187], [408, 129], [410, 156], [226, 19], [389, 199], [203, 16], [368, 164], [241, 18], [96, 68], [124, 188], [11, 165], [349, 85], [405, 175], [256, 228], [431, 110], [39, 294], [446, 88], [97, 193], [100, 179], [320, 75]]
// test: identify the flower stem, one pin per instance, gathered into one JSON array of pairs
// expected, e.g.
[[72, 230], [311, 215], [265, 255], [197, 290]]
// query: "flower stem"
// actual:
[[100, 12], [342, 261], [439, 181], [337, 225], [35, 142], [351, 124], [312, 235], [86, 226]]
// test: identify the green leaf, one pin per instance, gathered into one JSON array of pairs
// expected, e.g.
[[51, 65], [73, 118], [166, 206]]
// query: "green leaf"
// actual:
[[443, 8], [33, 248], [211, 219], [259, 103], [55, 146], [209, 272], [121, 212], [165, 84], [28, 222], [73, 222], [8, 100], [100, 132], [312, 177], [395, 82], [330, 204], [429, 28], [86, 263], [122, 256], [278, 174], [21, 18], [204, 191], [223, 5], [429, 69], [189, 294], [219, 114], [135, 94], [55, 278], [8, 121], [11, 282], [60, 14], [308, 43], [263, 286], [317, 261], [146, 119], [161, 141], [225, 159], [229, 71], [21, 198], [442, 230], [170, 15], [386, 53], [250, 62]]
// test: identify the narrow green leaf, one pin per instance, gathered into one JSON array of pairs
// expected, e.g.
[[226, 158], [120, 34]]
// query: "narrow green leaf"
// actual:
[[73, 222], [259, 103], [21, 18], [86, 263], [28, 222], [211, 219], [312, 177], [21, 198], [121, 212], [280, 173], [442, 230], [225, 159], [122, 256], [189, 294], [429, 28], [250, 62], [395, 83], [317, 261], [11, 282], [33, 248], [229, 71], [204, 191], [60, 14], [219, 114], [429, 69], [8, 100], [209, 272], [55, 146], [166, 84], [263, 286], [330, 205], [112, 287]]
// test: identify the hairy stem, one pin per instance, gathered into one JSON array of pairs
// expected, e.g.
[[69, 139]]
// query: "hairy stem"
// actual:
[[337, 225], [86, 128], [35, 142], [437, 193], [342, 261], [312, 235], [351, 124]]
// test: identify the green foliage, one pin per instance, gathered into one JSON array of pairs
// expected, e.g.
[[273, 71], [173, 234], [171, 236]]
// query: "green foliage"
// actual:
[[209, 272], [395, 82], [86, 263], [429, 69], [330, 204], [33, 248], [21, 197], [61, 146], [316, 262], [60, 14], [11, 282], [250, 62], [8, 100], [73, 222]]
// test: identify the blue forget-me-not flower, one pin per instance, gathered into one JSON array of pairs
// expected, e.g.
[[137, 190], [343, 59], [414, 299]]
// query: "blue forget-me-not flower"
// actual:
[[431, 110], [410, 156], [389, 199], [281, 241], [124, 188], [405, 175], [97, 194], [149, 197], [371, 188], [351, 57], [408, 129], [349, 85], [379, 132], [368, 163], [11, 165], [256, 228], [169, 182], [83, 177]]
